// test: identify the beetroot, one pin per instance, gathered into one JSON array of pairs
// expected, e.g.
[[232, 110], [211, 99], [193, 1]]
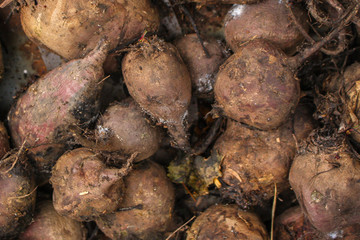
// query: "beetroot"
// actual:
[[148, 205], [227, 222], [84, 188], [17, 197], [123, 128], [159, 82], [253, 161], [66, 96], [268, 20], [48, 224], [73, 28], [325, 178], [257, 87]]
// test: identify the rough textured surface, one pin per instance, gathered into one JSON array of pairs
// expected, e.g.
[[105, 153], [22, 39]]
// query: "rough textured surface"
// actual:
[[66, 96], [202, 69], [227, 222], [84, 188], [4, 140], [255, 86], [73, 28], [123, 127], [148, 186], [253, 161], [325, 178], [17, 197], [160, 83], [268, 20], [292, 225], [49, 225], [352, 90]]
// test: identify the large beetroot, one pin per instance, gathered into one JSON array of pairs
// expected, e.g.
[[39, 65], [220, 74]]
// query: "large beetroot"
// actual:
[[159, 81], [325, 177], [66, 96], [73, 28]]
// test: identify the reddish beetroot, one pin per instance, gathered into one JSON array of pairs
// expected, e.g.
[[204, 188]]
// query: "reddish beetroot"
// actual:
[[49, 225], [17, 196], [66, 96], [256, 86], [84, 188], [325, 177], [268, 20]]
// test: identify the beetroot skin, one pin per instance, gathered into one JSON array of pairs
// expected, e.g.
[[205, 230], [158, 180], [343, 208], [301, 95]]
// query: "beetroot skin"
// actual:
[[84, 187], [66, 96]]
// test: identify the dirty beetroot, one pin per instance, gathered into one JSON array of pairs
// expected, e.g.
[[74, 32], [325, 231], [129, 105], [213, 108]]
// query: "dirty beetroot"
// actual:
[[187, 120]]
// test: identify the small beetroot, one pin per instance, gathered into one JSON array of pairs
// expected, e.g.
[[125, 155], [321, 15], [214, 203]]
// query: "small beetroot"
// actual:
[[84, 188]]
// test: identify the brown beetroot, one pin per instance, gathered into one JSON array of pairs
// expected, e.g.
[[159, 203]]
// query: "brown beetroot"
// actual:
[[148, 188], [293, 225], [66, 96], [256, 86], [84, 188], [17, 196], [4, 140], [73, 28], [268, 20], [49, 225], [325, 178], [254, 161], [159, 82], [123, 128], [227, 222], [202, 68]]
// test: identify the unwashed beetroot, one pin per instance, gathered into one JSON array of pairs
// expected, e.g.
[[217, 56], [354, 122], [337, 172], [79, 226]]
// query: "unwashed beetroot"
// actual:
[[325, 178], [257, 87], [48, 224], [17, 197], [303, 121], [123, 128], [4, 140], [263, 20], [227, 222], [148, 205], [73, 28], [84, 187], [66, 96], [254, 161], [202, 68], [293, 225], [159, 82]]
